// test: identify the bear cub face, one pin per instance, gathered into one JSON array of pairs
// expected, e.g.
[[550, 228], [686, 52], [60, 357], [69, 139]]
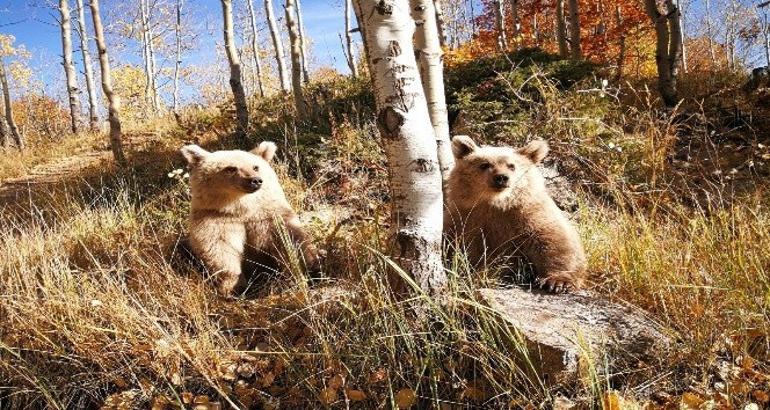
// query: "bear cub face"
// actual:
[[232, 173], [494, 174]]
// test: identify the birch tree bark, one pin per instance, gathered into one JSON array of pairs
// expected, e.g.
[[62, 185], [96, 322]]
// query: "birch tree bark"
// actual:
[[430, 62], [296, 57], [351, 55], [69, 67], [710, 35], [440, 22], [277, 46], [255, 47], [236, 82], [561, 29], [302, 41], [151, 87], [18, 139], [113, 101], [403, 122], [5, 138], [178, 62], [502, 42], [667, 48], [88, 71], [682, 36], [516, 25], [574, 28]]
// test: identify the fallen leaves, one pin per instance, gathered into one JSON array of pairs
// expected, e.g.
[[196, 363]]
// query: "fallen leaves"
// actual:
[[405, 398]]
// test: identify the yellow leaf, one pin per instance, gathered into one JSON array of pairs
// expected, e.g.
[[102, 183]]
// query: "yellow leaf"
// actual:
[[691, 400], [405, 398], [760, 396], [328, 396], [355, 395]]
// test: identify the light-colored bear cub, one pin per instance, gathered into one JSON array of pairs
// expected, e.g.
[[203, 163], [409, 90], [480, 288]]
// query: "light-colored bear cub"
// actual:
[[236, 210], [498, 207]]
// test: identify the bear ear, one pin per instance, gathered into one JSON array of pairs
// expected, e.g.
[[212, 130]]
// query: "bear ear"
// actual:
[[266, 150], [193, 154], [462, 145], [536, 151]]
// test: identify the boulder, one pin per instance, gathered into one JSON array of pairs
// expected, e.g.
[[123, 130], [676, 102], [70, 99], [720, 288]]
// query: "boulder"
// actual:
[[564, 332]]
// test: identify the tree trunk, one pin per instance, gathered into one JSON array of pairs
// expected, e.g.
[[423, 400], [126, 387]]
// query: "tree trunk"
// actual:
[[113, 104], [440, 22], [239, 96], [255, 47], [667, 51], [536, 30], [710, 35], [302, 41], [574, 28], [296, 57], [561, 29], [681, 37], [88, 71], [430, 62], [516, 24], [351, 55], [5, 137], [621, 43], [502, 42], [18, 139], [766, 33], [277, 45], [69, 66], [151, 88], [404, 121], [178, 63]]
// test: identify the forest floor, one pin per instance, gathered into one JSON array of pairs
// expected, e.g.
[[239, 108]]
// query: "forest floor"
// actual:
[[101, 309]]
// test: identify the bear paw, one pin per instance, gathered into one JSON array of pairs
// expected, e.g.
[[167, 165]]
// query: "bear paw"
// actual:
[[558, 282]]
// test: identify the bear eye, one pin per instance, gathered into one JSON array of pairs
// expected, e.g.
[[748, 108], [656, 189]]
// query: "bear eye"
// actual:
[[256, 167], [485, 166], [230, 170], [511, 166]]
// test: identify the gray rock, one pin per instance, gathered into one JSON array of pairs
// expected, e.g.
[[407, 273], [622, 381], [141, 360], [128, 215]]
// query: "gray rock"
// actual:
[[566, 331]]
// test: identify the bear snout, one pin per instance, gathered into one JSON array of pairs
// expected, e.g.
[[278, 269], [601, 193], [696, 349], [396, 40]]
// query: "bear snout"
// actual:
[[501, 181], [253, 184]]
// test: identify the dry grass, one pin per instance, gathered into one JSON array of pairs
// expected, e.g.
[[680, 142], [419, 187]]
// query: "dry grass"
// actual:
[[97, 301]]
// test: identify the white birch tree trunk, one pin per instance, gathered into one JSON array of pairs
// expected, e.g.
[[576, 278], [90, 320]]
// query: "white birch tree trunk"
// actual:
[[277, 46], [296, 56], [18, 139], [178, 62], [236, 81], [404, 123], [5, 137], [113, 101], [561, 29], [255, 47], [710, 35], [430, 62], [88, 71], [516, 23], [351, 55], [574, 26], [69, 66], [149, 71], [302, 41], [667, 52], [440, 22], [682, 36], [502, 42]]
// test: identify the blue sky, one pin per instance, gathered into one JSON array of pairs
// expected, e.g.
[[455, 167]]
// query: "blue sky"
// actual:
[[34, 24]]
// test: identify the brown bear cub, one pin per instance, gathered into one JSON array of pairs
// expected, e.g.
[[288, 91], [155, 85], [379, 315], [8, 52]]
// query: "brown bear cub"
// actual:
[[236, 212], [498, 207]]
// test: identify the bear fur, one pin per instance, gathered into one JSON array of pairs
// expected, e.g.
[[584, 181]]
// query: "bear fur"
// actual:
[[498, 207], [236, 210]]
